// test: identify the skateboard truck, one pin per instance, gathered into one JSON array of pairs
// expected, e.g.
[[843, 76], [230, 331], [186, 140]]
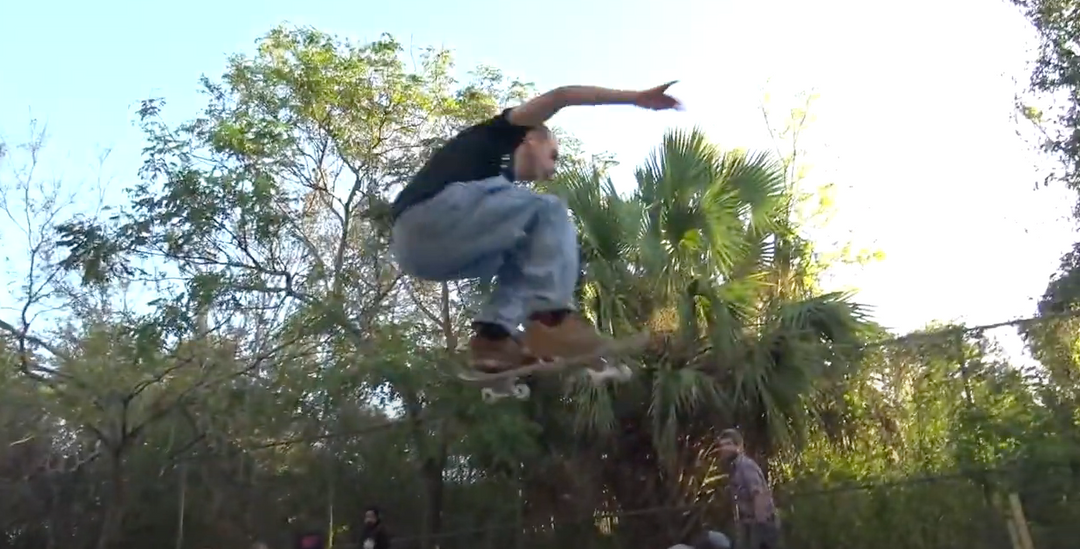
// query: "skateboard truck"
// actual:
[[509, 387], [497, 386], [519, 391]]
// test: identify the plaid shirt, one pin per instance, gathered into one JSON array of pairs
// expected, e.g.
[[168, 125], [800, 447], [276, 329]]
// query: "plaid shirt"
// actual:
[[746, 479]]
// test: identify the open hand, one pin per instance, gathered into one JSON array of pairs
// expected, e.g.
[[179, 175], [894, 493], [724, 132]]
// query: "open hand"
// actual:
[[657, 99]]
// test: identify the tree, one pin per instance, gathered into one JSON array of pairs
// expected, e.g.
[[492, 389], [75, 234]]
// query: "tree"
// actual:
[[273, 204], [704, 253], [1054, 109], [110, 373]]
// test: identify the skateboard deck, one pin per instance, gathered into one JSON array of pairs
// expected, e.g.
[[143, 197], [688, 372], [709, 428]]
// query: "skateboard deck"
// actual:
[[496, 386]]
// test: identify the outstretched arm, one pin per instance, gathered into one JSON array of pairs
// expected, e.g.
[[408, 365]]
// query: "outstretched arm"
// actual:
[[538, 110]]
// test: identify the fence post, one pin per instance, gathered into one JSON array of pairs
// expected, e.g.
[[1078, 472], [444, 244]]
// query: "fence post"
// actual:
[[1020, 522], [1014, 538], [1003, 512]]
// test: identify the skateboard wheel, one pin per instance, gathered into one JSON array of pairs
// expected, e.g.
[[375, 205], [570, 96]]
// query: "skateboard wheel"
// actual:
[[489, 396], [521, 391]]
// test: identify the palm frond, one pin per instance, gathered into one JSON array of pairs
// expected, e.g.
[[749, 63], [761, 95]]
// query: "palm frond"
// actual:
[[705, 251]]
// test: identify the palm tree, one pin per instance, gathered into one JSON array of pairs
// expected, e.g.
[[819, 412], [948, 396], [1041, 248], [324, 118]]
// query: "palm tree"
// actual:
[[705, 253]]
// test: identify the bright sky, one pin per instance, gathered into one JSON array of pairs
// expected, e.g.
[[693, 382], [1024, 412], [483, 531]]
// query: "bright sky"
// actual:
[[913, 125]]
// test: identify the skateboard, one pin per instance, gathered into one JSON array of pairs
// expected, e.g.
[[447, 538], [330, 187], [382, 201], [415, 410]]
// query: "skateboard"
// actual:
[[497, 386]]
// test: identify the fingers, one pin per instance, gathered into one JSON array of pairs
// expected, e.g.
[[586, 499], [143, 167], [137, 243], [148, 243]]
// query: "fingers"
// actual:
[[664, 87], [658, 99], [665, 101]]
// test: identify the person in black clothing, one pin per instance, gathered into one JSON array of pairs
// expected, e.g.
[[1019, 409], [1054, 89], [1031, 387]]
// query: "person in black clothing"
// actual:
[[373, 535], [462, 216]]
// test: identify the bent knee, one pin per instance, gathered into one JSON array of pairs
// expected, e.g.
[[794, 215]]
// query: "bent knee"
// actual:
[[403, 253], [554, 205]]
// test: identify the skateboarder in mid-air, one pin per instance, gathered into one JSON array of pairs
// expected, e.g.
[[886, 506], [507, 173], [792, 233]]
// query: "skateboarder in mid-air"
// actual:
[[462, 217]]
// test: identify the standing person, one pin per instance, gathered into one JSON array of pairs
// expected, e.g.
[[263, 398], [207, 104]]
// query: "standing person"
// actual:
[[758, 524], [462, 217], [373, 534]]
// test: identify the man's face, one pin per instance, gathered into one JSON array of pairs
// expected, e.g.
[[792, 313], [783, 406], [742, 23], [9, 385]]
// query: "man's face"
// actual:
[[728, 448], [535, 158], [370, 518]]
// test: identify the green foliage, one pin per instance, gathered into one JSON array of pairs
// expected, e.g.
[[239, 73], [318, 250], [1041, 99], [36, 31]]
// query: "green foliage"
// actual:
[[1053, 108], [1055, 84]]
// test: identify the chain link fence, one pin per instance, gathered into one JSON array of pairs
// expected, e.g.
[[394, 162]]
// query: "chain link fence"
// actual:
[[969, 511]]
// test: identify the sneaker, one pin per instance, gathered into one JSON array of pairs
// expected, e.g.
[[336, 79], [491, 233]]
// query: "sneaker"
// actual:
[[573, 337], [497, 355]]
